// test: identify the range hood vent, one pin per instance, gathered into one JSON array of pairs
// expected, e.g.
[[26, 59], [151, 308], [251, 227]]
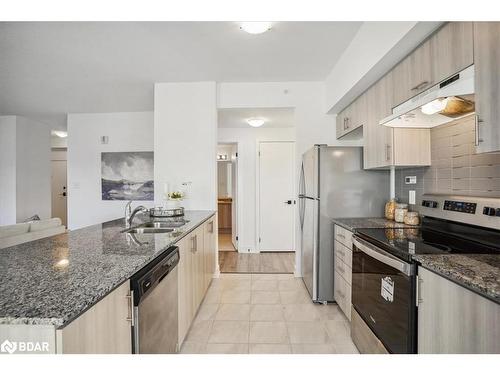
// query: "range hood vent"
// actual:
[[447, 101]]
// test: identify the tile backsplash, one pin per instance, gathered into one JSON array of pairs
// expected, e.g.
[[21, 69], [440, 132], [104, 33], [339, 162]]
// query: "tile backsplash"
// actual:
[[455, 168]]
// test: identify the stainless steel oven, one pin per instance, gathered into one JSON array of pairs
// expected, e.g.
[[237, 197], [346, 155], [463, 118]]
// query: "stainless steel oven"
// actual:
[[383, 300]]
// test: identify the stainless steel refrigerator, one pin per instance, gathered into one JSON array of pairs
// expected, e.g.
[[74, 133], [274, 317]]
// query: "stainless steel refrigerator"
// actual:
[[333, 184]]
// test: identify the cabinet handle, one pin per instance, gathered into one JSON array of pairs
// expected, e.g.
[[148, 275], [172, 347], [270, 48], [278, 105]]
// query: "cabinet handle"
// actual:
[[340, 235], [477, 140], [345, 119], [341, 252], [130, 298], [341, 269], [421, 85], [194, 244], [418, 293], [211, 226]]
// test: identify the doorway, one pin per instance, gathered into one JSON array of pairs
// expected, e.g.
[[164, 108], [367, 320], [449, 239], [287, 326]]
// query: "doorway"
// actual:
[[59, 185], [227, 184]]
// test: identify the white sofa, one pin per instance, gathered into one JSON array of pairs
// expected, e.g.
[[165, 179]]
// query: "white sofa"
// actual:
[[16, 234]]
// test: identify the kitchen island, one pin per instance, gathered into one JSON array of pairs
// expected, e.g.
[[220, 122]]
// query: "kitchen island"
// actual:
[[51, 282]]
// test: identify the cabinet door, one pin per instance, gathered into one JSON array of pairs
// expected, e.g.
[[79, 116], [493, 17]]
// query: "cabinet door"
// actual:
[[421, 75], [198, 267], [340, 122], [455, 320], [401, 79], [185, 279], [452, 49], [378, 138], [104, 329], [209, 249], [487, 82]]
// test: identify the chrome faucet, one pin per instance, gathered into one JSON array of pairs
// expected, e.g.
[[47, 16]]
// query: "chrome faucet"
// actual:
[[128, 212], [129, 216]]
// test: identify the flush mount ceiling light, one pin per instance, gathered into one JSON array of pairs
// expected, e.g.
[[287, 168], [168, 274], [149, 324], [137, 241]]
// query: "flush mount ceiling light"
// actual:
[[255, 27], [60, 133], [256, 122]]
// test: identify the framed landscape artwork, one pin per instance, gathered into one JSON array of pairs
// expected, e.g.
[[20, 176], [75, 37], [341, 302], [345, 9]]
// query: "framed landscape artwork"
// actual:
[[127, 176]]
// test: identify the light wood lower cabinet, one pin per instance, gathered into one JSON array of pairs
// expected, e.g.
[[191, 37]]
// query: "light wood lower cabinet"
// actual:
[[453, 319], [104, 329], [343, 269], [197, 254]]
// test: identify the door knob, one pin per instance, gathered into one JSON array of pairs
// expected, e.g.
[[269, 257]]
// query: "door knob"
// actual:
[[288, 202]]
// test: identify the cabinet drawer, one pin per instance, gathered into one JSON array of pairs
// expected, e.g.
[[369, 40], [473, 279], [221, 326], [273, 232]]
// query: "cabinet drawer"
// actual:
[[343, 253], [343, 270], [343, 236], [343, 295]]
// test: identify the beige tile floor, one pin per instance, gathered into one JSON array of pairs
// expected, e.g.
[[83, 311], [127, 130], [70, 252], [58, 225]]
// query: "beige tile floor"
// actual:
[[266, 314]]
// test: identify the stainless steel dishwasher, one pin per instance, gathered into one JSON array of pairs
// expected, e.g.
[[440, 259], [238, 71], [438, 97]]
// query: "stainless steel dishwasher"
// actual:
[[155, 314]]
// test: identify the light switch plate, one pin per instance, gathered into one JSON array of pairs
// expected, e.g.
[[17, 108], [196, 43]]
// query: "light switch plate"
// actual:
[[410, 180], [411, 197]]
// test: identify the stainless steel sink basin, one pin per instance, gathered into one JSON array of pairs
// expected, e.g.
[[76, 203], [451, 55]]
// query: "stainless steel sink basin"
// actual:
[[164, 224], [150, 230]]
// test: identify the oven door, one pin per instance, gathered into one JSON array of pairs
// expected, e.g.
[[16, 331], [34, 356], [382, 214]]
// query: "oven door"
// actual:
[[383, 294]]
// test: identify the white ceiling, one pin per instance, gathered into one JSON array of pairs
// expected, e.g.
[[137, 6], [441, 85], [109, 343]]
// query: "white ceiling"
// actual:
[[50, 69], [275, 117]]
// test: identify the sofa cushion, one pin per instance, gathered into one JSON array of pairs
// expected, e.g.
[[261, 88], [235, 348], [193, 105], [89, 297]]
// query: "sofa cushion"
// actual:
[[39, 225], [14, 230]]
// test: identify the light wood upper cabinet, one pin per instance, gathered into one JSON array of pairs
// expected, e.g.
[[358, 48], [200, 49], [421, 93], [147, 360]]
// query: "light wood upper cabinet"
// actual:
[[454, 320], [421, 72], [378, 150], [451, 49], [104, 329], [352, 117], [487, 85], [448, 51]]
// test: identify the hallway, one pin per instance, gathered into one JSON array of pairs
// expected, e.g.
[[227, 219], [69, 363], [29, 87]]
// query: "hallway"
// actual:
[[278, 263]]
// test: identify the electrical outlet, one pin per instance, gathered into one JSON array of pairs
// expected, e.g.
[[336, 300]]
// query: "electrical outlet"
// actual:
[[410, 180], [411, 197]]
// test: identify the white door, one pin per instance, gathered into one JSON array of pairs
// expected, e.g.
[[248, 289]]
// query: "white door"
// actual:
[[59, 190], [276, 193]]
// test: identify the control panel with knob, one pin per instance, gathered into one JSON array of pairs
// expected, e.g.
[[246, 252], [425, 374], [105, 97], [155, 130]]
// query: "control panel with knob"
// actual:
[[430, 204]]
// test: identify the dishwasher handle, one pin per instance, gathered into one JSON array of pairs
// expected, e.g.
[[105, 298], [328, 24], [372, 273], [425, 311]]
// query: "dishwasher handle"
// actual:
[[144, 281]]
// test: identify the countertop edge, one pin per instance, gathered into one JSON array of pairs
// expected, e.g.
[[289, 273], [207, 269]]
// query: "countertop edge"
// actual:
[[60, 323], [456, 280]]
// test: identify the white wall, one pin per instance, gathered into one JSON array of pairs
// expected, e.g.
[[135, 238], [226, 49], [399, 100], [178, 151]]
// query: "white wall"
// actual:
[[7, 170], [33, 178], [247, 140], [127, 131], [24, 169], [185, 141]]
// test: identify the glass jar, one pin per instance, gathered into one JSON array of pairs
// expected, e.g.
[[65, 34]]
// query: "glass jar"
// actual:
[[389, 209], [400, 212], [412, 218]]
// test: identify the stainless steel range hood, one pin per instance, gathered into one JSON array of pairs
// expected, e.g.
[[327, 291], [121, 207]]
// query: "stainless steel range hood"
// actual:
[[442, 103]]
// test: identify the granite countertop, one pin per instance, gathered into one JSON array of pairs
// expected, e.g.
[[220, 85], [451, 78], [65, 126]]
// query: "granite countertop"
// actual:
[[354, 223], [477, 272], [53, 280]]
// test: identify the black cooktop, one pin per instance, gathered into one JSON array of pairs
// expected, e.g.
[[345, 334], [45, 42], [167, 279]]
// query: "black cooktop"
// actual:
[[435, 236]]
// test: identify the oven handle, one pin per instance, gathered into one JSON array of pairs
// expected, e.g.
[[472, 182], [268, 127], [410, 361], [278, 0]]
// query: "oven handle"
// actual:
[[383, 256]]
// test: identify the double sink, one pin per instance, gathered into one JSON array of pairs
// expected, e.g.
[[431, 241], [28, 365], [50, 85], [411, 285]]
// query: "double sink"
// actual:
[[153, 227]]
